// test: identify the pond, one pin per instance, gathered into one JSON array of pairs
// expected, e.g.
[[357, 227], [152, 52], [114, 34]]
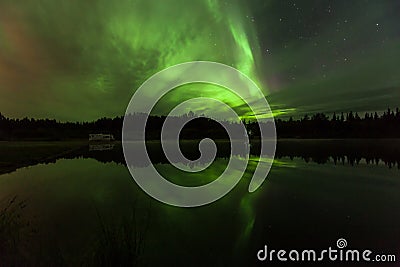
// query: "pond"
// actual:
[[83, 207]]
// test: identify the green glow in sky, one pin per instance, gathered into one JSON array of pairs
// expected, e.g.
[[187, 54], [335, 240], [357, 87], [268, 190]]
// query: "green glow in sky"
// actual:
[[102, 51], [81, 60]]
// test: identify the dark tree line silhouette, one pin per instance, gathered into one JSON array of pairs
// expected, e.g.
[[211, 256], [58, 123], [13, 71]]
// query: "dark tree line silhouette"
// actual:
[[319, 125], [343, 125], [52, 130]]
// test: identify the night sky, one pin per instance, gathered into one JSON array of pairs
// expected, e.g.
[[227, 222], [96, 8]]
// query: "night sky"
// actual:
[[82, 60]]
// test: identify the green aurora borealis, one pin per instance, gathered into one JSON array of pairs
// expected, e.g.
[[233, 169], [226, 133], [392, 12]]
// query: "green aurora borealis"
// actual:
[[81, 60]]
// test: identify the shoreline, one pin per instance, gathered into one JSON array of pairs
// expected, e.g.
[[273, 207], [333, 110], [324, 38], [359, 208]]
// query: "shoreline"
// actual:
[[85, 141], [19, 154]]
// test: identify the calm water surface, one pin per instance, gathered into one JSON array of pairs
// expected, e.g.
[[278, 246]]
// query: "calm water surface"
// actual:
[[79, 202]]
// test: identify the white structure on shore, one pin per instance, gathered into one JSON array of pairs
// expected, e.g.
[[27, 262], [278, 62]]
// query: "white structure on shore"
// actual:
[[101, 137]]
